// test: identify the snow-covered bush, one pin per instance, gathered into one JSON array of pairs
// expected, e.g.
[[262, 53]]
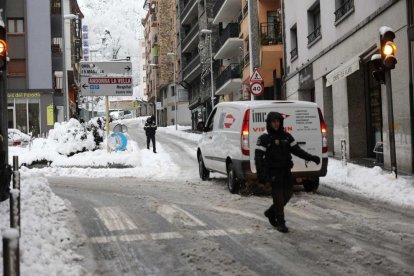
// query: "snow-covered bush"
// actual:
[[72, 137]]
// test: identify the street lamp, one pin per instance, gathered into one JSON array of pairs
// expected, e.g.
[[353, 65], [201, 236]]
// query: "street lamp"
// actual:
[[209, 33], [155, 82], [176, 93], [65, 83]]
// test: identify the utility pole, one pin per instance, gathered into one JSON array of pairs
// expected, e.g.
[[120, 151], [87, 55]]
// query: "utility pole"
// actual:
[[254, 47]]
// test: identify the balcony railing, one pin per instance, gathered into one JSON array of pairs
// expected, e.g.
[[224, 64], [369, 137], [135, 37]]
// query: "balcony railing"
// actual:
[[232, 30], [191, 66], [270, 33], [294, 53], [217, 6], [231, 72], [194, 31], [314, 35], [187, 8], [344, 9]]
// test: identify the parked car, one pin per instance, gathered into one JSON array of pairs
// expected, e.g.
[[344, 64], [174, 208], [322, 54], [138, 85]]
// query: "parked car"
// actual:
[[117, 115], [230, 135], [18, 138], [128, 114]]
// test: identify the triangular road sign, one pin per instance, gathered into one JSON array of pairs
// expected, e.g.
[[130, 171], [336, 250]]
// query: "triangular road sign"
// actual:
[[256, 77]]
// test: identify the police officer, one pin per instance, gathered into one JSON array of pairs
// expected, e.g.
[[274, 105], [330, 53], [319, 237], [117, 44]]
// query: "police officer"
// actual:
[[150, 130], [274, 163]]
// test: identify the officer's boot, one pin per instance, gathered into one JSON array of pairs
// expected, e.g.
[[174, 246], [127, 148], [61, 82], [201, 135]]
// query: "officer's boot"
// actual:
[[281, 225], [270, 214]]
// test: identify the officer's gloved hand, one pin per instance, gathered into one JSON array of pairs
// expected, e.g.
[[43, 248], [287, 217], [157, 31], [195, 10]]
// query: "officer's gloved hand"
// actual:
[[315, 159]]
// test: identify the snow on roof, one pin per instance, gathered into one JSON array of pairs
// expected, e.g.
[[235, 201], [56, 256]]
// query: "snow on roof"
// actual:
[[384, 29]]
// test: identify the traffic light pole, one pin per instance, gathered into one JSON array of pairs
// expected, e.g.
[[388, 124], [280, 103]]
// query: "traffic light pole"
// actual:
[[391, 138]]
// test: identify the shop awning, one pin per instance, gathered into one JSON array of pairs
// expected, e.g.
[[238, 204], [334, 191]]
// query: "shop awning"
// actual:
[[343, 71]]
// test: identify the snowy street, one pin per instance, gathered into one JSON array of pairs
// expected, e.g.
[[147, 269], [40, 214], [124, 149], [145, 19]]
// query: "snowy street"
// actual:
[[169, 222]]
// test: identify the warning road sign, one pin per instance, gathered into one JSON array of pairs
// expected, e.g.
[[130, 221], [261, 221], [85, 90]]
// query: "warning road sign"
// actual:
[[256, 76]]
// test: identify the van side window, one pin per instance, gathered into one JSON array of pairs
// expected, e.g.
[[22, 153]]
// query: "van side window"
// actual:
[[221, 121], [210, 121]]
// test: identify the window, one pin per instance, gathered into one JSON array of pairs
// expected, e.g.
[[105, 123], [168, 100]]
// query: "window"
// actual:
[[172, 91], [16, 68], [293, 43], [15, 26], [314, 24], [210, 121], [343, 8]]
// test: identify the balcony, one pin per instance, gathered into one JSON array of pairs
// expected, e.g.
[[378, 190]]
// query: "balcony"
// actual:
[[270, 33], [314, 36], [189, 12], [192, 69], [191, 39], [294, 54], [228, 45], [229, 80], [226, 10], [346, 9]]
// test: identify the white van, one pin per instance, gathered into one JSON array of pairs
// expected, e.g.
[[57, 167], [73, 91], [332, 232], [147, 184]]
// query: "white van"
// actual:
[[230, 135]]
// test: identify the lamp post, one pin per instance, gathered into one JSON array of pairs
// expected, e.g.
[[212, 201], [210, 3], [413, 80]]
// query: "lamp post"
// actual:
[[176, 93], [209, 33], [65, 82], [155, 82]]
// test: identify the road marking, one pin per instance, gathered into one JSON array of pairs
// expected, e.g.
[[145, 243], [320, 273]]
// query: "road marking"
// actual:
[[302, 213], [169, 235], [238, 212], [173, 213], [114, 219]]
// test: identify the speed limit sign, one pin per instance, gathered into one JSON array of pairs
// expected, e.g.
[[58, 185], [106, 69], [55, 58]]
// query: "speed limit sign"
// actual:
[[256, 88]]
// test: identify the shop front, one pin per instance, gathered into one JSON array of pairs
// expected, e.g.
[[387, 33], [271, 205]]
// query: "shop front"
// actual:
[[31, 111]]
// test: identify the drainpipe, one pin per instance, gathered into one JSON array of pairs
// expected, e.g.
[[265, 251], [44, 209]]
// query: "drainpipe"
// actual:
[[284, 71], [410, 85]]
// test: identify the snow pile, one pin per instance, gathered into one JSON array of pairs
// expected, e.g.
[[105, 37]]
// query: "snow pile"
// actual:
[[373, 183], [71, 137], [46, 244], [157, 166], [181, 132]]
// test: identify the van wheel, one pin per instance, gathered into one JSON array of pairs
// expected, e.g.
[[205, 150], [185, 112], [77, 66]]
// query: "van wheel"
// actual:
[[311, 185], [204, 173], [232, 182]]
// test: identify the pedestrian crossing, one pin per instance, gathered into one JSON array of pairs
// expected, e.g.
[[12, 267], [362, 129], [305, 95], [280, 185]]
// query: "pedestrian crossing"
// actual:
[[114, 219]]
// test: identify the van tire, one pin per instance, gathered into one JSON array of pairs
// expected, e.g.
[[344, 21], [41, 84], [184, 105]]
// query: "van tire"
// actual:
[[232, 183], [204, 173], [311, 185]]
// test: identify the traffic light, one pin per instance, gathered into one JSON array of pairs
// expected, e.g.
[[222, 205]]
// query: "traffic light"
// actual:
[[388, 47], [3, 48], [379, 70]]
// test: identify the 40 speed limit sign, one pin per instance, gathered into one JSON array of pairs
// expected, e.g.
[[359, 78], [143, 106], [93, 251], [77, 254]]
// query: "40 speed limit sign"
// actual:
[[257, 88]]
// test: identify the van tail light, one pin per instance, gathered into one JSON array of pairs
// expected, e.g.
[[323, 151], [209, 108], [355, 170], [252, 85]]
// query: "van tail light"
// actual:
[[17, 143], [323, 130], [245, 147]]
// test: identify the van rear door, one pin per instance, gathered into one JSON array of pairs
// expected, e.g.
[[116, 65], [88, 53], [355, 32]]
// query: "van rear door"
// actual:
[[301, 120]]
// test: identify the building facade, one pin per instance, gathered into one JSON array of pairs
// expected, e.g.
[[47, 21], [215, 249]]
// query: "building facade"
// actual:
[[329, 45], [34, 73]]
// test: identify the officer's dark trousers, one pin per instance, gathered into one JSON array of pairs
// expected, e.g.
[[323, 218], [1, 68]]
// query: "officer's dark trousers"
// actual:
[[282, 191], [149, 139]]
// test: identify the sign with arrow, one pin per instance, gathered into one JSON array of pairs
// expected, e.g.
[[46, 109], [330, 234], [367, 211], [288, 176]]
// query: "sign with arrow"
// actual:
[[106, 86], [105, 68]]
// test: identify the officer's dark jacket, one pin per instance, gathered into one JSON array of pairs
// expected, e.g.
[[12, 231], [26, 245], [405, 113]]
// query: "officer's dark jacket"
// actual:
[[274, 149], [150, 127]]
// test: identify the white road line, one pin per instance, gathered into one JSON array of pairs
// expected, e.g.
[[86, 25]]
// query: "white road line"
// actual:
[[212, 233], [114, 219], [238, 212], [166, 236], [173, 213]]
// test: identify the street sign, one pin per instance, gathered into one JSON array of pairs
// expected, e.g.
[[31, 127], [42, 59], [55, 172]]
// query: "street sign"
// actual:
[[256, 88], [105, 68], [159, 106], [256, 76], [106, 86]]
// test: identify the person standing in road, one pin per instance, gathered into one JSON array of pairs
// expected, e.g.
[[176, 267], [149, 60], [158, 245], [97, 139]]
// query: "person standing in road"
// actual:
[[274, 163], [150, 130]]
